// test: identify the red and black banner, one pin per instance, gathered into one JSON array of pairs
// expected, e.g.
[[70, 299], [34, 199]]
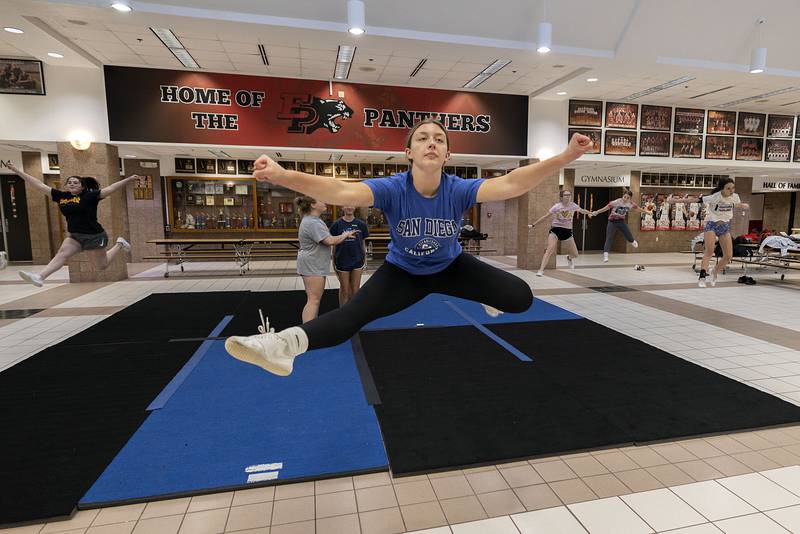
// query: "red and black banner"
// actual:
[[169, 106]]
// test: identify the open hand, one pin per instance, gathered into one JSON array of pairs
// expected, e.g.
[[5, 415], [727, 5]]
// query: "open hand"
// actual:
[[13, 168]]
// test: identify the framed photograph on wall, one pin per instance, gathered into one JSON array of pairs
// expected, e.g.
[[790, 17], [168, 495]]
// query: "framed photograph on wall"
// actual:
[[325, 169], [778, 150], [656, 118], [402, 167], [780, 126], [246, 166], [620, 115], [749, 148], [391, 169], [288, 165], [721, 122], [689, 120], [687, 146], [52, 162], [620, 143], [378, 170], [796, 157], [595, 135], [206, 166], [752, 124], [184, 165], [306, 167], [586, 113], [226, 166], [719, 147], [21, 77], [353, 170], [340, 170], [654, 144], [366, 170]]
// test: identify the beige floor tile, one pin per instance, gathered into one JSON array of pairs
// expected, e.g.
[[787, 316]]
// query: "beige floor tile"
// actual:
[[385, 521], [371, 480], [585, 466], [752, 441], [451, 487], [81, 519], [302, 527], [701, 448], [249, 516], [446, 474], [414, 492], [119, 514], [262, 530], [210, 502], [423, 515], [116, 528], [504, 502], [332, 485], [669, 475], [375, 498], [406, 480], [332, 504], [163, 508], [293, 510], [674, 453], [699, 470], [462, 509], [728, 466], [27, 529], [781, 456], [205, 522], [343, 524], [509, 465], [778, 437], [727, 444], [755, 461], [639, 480], [606, 485], [521, 475], [159, 525], [645, 457], [480, 469], [292, 491], [253, 496], [616, 461], [554, 471], [537, 497], [572, 491], [487, 481]]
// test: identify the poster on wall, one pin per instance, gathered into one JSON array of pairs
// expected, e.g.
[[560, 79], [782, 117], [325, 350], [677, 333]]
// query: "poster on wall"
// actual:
[[622, 115], [585, 113], [689, 120], [654, 144], [749, 148], [796, 157], [595, 135], [778, 150], [656, 118], [648, 205], [21, 77], [234, 109], [226, 166], [206, 166], [780, 126], [722, 122], [619, 143], [719, 147], [752, 124], [687, 146], [184, 165]]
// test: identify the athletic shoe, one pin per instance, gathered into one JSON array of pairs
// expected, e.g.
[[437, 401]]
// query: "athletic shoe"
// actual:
[[491, 311], [713, 278], [570, 262], [605, 257], [749, 281], [742, 279], [33, 278], [122, 242], [539, 273], [3, 260], [270, 351], [635, 244], [702, 280]]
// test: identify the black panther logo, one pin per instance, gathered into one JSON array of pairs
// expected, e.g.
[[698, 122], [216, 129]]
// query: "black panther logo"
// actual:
[[309, 113]]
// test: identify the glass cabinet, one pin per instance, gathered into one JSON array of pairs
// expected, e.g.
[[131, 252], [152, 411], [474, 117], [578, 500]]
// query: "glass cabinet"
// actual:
[[212, 203]]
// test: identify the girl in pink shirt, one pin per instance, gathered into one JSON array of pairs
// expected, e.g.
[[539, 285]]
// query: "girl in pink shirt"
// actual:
[[561, 229]]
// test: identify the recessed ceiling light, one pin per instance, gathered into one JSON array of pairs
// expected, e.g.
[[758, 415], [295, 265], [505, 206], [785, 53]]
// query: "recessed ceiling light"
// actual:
[[55, 55], [9, 29], [561, 93], [121, 7], [591, 80], [129, 156]]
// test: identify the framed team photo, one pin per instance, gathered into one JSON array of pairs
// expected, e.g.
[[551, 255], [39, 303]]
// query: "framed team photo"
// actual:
[[656, 118], [620, 143], [780, 126], [595, 135], [586, 113], [654, 144], [21, 77], [749, 148], [688, 120], [778, 150], [721, 122], [719, 147], [752, 124], [687, 146], [622, 115]]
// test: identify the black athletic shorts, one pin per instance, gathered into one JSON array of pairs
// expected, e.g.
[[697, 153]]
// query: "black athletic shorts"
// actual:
[[561, 233], [91, 241]]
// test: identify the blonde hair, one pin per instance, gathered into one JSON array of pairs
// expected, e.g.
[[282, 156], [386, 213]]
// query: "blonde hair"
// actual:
[[304, 204]]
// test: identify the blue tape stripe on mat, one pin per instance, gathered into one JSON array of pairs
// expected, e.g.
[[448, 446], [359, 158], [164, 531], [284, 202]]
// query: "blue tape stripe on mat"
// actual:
[[163, 397], [494, 337]]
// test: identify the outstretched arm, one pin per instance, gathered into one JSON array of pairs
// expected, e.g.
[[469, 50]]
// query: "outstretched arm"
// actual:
[[540, 219], [523, 179], [116, 186], [601, 210], [327, 190], [33, 181]]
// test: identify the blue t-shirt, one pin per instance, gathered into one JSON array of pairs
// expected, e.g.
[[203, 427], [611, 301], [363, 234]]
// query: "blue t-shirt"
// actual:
[[349, 254], [424, 230]]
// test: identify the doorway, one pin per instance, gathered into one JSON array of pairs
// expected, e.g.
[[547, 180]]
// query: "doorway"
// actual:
[[16, 234], [590, 233]]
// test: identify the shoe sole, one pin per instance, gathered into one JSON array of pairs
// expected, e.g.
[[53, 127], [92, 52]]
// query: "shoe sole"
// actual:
[[701, 284], [247, 355], [27, 278]]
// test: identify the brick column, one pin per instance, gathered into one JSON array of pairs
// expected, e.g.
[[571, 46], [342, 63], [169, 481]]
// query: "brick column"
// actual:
[[532, 242], [37, 210], [100, 161]]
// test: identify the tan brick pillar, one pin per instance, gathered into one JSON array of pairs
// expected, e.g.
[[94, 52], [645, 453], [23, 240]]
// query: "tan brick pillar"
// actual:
[[532, 242], [100, 161], [37, 210]]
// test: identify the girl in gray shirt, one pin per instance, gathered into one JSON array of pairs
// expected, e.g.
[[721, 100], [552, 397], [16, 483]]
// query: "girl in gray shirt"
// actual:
[[314, 256]]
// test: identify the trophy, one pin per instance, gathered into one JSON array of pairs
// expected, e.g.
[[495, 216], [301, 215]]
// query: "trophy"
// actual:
[[189, 221], [694, 212], [679, 217], [648, 222]]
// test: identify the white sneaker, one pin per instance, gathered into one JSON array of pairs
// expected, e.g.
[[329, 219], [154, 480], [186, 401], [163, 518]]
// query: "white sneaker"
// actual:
[[571, 262], [713, 278], [491, 311], [270, 351], [605, 257], [635, 244], [3, 260], [124, 244], [701, 282], [33, 278], [539, 273]]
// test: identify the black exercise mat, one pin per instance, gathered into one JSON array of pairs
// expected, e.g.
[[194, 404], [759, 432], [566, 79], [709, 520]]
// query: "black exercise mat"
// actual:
[[282, 308], [452, 397], [69, 409]]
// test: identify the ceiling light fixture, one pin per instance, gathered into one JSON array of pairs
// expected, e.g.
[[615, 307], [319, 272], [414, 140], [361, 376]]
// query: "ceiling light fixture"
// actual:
[[544, 35], [418, 67], [55, 55], [759, 97], [263, 52], [171, 41], [487, 73], [758, 56], [344, 60], [561, 93], [661, 87], [591, 80], [356, 20], [10, 29], [121, 7]]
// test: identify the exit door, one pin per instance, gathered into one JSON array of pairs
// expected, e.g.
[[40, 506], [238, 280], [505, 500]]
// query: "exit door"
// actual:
[[16, 234], [590, 233]]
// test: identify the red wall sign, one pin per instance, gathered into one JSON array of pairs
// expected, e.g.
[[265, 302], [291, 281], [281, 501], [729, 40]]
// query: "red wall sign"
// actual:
[[169, 106]]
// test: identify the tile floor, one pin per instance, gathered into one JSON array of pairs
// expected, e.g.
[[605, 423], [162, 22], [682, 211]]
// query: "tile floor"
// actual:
[[739, 483]]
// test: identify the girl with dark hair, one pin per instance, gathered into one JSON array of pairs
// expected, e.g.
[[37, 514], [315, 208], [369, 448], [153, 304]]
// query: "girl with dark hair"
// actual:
[[349, 256], [561, 229], [616, 221], [79, 206], [424, 207], [719, 212]]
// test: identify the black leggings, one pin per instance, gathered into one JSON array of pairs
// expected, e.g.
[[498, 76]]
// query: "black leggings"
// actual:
[[611, 230], [391, 289]]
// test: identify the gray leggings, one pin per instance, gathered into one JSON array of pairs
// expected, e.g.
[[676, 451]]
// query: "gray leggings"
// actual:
[[611, 230]]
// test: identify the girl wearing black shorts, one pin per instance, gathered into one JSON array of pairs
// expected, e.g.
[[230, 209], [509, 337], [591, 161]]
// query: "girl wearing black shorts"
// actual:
[[561, 229]]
